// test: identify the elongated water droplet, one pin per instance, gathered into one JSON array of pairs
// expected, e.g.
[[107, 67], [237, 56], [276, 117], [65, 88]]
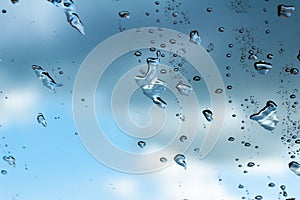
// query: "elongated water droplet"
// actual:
[[10, 160], [69, 9], [41, 119], [266, 117], [262, 67], [180, 160], [3, 172], [45, 77], [285, 11]]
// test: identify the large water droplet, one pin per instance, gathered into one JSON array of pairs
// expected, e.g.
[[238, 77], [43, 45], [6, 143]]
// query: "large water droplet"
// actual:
[[208, 115], [69, 9], [262, 67], [180, 160], [295, 167], [266, 117], [194, 37], [45, 77], [285, 11], [41, 119], [152, 86]]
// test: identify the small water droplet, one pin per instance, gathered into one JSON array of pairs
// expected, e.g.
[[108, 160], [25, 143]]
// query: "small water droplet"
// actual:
[[194, 37], [219, 91], [141, 144], [137, 53], [180, 160], [250, 164], [163, 160], [3, 172], [208, 115], [294, 71], [196, 78], [231, 139], [41, 119], [172, 41], [270, 56], [183, 138], [124, 14], [271, 184], [221, 29]]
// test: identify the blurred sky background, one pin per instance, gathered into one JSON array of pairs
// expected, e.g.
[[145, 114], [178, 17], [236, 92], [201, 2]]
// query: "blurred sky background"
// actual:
[[53, 164]]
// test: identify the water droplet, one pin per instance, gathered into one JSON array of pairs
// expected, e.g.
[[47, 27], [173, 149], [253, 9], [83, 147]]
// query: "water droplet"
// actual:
[[228, 55], [252, 57], [285, 11], [210, 47], [180, 160], [295, 167], [209, 9], [219, 91], [152, 86], [292, 96], [172, 41], [175, 14], [69, 9], [282, 187], [262, 67], [141, 144], [258, 197], [270, 56], [266, 117], [124, 14], [3, 172], [184, 89], [45, 77], [41, 119], [208, 115], [163, 71], [230, 45], [10, 160], [231, 139], [196, 78], [221, 29], [240, 186], [194, 37], [163, 45], [137, 53], [294, 71], [14, 1], [4, 11], [250, 164], [271, 184], [163, 160], [183, 138], [298, 56]]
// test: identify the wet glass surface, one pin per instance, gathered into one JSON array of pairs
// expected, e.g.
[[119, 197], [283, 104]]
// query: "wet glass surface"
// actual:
[[156, 77]]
